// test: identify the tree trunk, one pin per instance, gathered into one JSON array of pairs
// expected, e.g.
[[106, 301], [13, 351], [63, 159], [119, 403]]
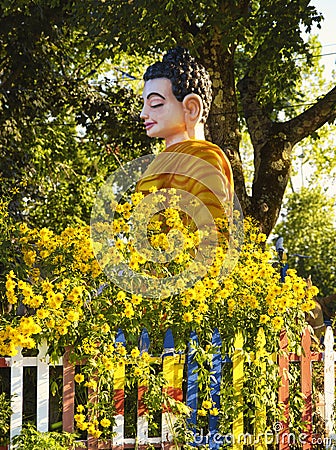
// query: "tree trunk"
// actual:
[[270, 180], [222, 124]]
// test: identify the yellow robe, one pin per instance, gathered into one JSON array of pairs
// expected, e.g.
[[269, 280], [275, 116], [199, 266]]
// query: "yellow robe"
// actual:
[[208, 178]]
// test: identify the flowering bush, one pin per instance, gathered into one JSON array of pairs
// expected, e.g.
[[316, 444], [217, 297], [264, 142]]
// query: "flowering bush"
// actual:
[[65, 297], [5, 413], [36, 440]]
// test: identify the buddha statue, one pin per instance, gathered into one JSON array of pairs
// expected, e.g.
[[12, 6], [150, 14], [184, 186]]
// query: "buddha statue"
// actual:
[[177, 96]]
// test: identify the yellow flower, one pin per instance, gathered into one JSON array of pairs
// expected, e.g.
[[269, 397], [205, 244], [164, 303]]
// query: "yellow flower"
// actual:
[[42, 313], [134, 265], [28, 326], [308, 306], [202, 412], [108, 364], [105, 423], [79, 378], [82, 425], [231, 303], [264, 318], [119, 208], [92, 384], [46, 286], [105, 328], [203, 308], [206, 404], [137, 371], [50, 323], [62, 330], [10, 278], [29, 257], [277, 323], [73, 316], [214, 411], [185, 301], [93, 431], [55, 300], [187, 317], [129, 311], [136, 299], [137, 197], [271, 311], [145, 356], [261, 237], [23, 228], [198, 317], [80, 408], [120, 245], [135, 352], [121, 296], [79, 418], [121, 350], [11, 297]]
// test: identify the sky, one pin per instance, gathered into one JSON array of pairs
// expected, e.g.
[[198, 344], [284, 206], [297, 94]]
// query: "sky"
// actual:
[[327, 33], [327, 37]]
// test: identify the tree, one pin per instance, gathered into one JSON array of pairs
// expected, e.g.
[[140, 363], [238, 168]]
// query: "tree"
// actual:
[[251, 48], [309, 233], [51, 170]]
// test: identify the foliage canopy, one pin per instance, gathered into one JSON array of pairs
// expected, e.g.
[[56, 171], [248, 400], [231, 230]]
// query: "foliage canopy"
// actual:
[[54, 52]]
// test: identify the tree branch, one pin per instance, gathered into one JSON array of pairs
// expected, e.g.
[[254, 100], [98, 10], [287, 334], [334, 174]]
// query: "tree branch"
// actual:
[[312, 119]]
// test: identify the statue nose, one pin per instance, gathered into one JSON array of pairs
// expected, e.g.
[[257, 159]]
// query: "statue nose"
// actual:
[[143, 114]]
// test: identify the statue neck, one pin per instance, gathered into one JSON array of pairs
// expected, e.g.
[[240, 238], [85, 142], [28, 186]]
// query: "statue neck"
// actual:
[[199, 132]]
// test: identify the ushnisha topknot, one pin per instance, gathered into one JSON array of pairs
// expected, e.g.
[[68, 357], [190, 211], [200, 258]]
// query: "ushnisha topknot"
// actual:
[[186, 75]]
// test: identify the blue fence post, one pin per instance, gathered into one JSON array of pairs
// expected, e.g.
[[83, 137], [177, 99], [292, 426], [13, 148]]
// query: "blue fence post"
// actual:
[[215, 382], [192, 383], [144, 341]]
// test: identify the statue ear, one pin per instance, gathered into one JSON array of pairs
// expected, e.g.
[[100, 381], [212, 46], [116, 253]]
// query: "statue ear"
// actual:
[[193, 111]]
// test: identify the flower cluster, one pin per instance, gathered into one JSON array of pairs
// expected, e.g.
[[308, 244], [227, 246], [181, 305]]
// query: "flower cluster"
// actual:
[[67, 298]]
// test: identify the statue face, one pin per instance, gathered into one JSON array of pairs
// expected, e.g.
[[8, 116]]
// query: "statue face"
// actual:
[[162, 113]]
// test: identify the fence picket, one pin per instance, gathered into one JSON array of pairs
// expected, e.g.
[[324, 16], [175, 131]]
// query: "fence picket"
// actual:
[[329, 381], [192, 383], [68, 392], [16, 363], [215, 381], [142, 422], [238, 379], [283, 427], [306, 388], [173, 365], [172, 368], [119, 397], [260, 422], [42, 413]]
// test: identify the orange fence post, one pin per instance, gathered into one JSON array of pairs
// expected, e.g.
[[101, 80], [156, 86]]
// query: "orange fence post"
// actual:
[[68, 392], [284, 390], [306, 388]]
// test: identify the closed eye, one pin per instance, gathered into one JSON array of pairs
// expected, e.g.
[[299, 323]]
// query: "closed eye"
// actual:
[[157, 106]]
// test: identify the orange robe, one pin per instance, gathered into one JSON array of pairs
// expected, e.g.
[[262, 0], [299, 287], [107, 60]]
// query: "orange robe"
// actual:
[[197, 167]]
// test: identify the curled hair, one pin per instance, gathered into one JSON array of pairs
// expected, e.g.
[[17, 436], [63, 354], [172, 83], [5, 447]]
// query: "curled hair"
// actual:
[[186, 75]]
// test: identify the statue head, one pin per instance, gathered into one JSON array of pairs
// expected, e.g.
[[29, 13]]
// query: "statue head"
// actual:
[[177, 98], [187, 77]]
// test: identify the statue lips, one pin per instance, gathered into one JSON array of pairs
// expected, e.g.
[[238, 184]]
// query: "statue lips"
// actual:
[[149, 125]]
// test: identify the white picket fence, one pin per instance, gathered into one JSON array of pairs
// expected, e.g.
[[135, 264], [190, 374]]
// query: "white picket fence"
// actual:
[[17, 364], [41, 362]]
